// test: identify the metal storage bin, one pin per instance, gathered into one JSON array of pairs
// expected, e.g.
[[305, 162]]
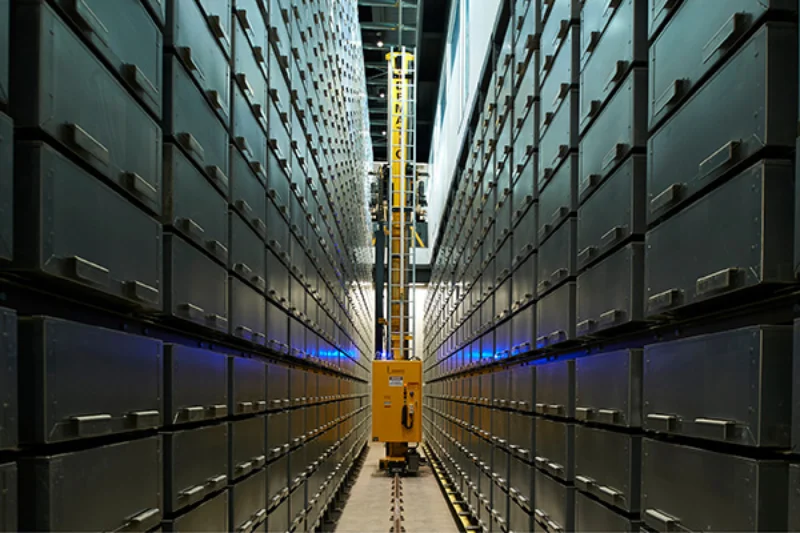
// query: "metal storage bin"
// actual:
[[248, 130], [248, 313], [555, 504], [277, 329], [125, 35], [297, 384], [192, 205], [594, 517], [297, 426], [525, 21], [248, 446], [704, 141], [614, 39], [278, 518], [608, 466], [248, 385], [78, 381], [554, 19], [611, 293], [113, 487], [247, 192], [608, 388], [600, 229], [522, 199], [195, 384], [8, 384], [5, 38], [278, 386], [555, 447], [194, 43], [196, 286], [208, 517], [735, 237], [523, 387], [715, 32], [794, 497], [79, 230], [6, 174], [56, 96], [751, 372], [298, 463], [249, 58], [278, 137], [560, 73], [561, 137], [555, 389], [729, 493], [795, 380], [277, 276], [248, 503], [557, 258], [277, 480], [247, 256], [523, 284], [526, 120], [519, 520], [499, 428], [555, 316], [278, 181], [658, 13], [520, 483], [616, 130], [8, 498], [298, 508], [558, 197], [500, 383], [195, 465], [521, 435], [278, 439], [191, 121], [523, 334]]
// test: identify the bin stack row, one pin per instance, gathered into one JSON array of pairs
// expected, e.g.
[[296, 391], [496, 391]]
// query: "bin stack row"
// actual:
[[250, 434], [188, 330], [650, 174], [255, 192], [608, 441]]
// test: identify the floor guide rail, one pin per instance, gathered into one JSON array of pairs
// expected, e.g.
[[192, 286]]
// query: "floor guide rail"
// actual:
[[455, 499]]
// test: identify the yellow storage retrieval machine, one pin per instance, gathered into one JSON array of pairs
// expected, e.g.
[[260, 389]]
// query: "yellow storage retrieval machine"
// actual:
[[397, 380]]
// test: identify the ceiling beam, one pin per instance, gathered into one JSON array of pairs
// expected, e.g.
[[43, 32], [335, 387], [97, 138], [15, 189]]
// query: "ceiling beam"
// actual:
[[389, 26], [386, 3]]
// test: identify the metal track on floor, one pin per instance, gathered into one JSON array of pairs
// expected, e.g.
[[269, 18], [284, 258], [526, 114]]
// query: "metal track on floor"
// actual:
[[377, 502], [466, 520]]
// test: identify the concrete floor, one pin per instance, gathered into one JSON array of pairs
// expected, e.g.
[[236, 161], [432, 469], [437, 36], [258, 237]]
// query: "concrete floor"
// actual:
[[368, 509]]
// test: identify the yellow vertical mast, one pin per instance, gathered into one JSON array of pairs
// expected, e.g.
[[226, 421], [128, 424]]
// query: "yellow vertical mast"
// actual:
[[401, 203]]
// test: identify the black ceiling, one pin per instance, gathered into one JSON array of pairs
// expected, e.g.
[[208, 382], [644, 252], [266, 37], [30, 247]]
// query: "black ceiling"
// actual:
[[379, 23]]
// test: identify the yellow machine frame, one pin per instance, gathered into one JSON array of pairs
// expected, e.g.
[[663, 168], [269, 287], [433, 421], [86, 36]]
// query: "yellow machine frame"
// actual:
[[397, 387], [397, 383]]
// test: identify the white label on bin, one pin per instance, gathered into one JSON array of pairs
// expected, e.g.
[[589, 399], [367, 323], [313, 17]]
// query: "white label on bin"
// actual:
[[395, 381]]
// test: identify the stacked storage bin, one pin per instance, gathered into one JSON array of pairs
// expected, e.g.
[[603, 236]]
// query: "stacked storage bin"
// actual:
[[556, 226], [651, 264], [723, 183], [194, 340]]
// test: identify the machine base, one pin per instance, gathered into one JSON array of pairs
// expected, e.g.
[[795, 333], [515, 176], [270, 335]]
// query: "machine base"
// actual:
[[406, 464]]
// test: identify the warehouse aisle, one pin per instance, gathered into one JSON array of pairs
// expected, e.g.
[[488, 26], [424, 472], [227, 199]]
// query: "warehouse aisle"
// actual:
[[368, 508]]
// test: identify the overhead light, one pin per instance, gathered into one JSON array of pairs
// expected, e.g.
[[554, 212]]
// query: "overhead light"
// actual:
[[383, 95], [380, 44], [384, 133]]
